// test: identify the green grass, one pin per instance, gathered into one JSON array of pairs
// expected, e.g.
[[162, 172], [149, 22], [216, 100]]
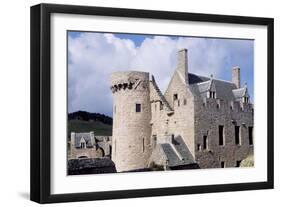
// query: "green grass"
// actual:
[[99, 128]]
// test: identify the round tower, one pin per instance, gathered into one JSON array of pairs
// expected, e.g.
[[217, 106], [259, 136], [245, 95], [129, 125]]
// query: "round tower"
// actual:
[[131, 120]]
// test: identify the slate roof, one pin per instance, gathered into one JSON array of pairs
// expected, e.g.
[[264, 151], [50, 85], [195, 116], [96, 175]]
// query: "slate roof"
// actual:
[[225, 90], [177, 153], [240, 92], [90, 141], [193, 78]]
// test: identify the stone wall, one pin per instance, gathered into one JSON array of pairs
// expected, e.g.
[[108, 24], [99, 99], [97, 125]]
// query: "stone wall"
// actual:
[[211, 113], [131, 147], [182, 121]]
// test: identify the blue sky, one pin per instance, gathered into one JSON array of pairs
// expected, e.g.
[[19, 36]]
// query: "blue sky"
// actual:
[[94, 56]]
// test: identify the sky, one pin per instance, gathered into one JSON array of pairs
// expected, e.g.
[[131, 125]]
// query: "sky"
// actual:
[[92, 57]]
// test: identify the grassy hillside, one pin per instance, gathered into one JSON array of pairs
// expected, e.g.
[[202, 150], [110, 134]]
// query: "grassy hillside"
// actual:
[[100, 129]]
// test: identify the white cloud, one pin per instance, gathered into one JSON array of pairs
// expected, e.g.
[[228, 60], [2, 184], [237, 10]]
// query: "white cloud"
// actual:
[[94, 56]]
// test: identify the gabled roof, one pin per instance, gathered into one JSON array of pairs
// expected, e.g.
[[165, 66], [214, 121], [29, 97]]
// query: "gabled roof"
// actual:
[[225, 90], [86, 136], [240, 93]]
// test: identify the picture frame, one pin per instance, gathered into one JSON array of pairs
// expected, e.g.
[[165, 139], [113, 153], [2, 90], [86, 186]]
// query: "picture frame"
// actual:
[[41, 101]]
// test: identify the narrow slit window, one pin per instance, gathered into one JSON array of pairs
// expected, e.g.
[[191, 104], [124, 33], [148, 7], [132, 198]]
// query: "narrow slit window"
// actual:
[[142, 144], [154, 141], [161, 105], [237, 135], [221, 135], [205, 142], [222, 164], [250, 131]]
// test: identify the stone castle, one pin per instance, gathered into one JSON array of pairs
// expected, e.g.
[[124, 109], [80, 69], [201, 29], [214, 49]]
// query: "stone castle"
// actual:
[[199, 122]]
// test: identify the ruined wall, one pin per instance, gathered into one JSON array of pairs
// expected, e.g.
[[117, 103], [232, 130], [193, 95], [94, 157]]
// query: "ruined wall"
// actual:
[[211, 113], [131, 129]]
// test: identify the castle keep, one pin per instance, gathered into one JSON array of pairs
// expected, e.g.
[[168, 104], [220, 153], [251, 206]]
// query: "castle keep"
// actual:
[[199, 122]]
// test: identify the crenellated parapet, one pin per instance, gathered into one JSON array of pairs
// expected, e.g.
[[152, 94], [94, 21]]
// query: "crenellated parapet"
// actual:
[[129, 80]]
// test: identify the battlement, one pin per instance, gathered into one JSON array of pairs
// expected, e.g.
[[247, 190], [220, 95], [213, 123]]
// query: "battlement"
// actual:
[[129, 80]]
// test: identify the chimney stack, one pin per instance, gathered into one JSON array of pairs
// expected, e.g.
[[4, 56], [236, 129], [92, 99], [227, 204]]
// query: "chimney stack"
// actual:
[[236, 76], [182, 66]]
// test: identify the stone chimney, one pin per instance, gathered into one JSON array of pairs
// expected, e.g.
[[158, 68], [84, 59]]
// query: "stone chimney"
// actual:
[[182, 66], [236, 76]]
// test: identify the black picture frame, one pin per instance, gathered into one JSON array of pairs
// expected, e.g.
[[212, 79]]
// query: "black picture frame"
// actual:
[[41, 99]]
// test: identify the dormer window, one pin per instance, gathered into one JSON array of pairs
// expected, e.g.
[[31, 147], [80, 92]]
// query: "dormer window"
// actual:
[[83, 145], [245, 99], [212, 94]]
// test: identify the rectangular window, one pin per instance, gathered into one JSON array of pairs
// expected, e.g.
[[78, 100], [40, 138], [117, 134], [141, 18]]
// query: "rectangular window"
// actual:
[[198, 147], [184, 102], [205, 142], [138, 107], [250, 131], [238, 163], [237, 135], [175, 96], [221, 135], [178, 102], [212, 94], [222, 164]]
